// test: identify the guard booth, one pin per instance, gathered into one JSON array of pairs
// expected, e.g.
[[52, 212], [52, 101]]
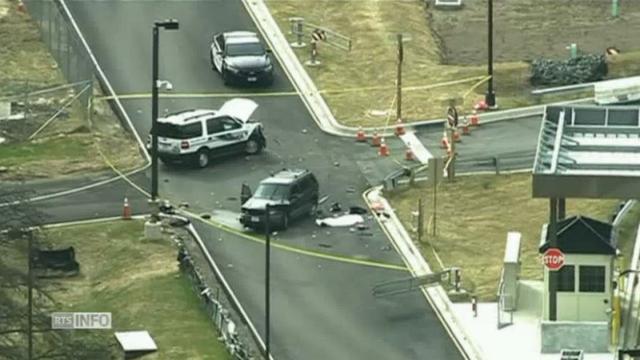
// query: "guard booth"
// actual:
[[585, 282], [588, 152]]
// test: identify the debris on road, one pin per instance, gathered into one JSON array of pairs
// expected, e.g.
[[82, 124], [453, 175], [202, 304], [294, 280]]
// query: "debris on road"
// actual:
[[205, 216], [351, 189], [323, 199], [335, 207], [345, 220], [357, 210]]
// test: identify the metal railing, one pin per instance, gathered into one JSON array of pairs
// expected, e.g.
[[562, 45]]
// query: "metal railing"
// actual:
[[216, 311], [300, 28]]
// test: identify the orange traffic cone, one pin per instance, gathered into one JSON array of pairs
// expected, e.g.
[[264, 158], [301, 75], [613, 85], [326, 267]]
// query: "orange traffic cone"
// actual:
[[126, 211], [384, 149], [399, 127], [475, 120], [375, 139], [481, 105], [444, 143], [360, 136]]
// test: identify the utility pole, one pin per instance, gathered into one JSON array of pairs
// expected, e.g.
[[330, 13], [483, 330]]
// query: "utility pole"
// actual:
[[267, 287], [30, 293], [490, 96], [399, 78], [452, 126]]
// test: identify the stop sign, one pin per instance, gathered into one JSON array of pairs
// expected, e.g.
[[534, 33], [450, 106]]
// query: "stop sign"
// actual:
[[553, 259]]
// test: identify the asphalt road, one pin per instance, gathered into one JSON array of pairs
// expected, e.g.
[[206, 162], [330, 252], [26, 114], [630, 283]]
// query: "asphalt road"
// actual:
[[512, 143], [321, 308]]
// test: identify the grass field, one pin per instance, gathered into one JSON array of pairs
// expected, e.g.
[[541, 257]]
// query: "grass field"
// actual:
[[372, 26], [474, 214], [69, 144], [139, 282]]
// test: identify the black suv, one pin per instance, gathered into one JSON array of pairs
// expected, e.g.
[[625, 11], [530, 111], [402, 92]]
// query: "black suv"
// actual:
[[290, 194]]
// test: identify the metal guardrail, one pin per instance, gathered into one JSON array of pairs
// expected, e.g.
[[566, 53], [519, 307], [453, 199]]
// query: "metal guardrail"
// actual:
[[300, 28], [566, 88]]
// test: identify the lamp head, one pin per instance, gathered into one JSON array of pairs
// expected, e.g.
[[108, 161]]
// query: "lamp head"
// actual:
[[168, 24]]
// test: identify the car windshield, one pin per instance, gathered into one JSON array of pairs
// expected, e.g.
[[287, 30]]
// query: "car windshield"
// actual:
[[250, 49], [272, 191], [179, 131]]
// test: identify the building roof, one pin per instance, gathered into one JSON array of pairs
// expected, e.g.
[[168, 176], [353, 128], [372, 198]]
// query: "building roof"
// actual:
[[581, 235], [588, 152]]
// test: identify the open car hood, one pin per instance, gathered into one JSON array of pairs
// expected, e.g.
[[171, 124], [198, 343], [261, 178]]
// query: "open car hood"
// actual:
[[239, 108]]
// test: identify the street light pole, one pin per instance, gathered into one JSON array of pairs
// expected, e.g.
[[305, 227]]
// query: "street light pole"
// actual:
[[154, 116], [490, 96], [170, 24], [267, 285]]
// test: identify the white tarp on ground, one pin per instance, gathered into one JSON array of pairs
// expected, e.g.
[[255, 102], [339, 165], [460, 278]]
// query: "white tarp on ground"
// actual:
[[136, 341], [345, 220]]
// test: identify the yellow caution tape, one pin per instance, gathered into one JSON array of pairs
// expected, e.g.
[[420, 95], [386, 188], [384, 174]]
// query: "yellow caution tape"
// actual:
[[298, 250]]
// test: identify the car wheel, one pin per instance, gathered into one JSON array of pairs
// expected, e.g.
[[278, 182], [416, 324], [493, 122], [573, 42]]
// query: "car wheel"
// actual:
[[253, 146], [202, 158]]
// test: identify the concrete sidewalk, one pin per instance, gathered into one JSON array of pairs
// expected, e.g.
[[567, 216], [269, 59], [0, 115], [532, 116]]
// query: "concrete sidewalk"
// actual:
[[519, 340]]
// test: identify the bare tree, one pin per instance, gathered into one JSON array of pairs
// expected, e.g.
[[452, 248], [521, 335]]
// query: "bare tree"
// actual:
[[25, 303]]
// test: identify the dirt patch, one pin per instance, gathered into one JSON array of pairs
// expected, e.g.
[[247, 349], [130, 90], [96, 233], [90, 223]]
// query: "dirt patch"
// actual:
[[524, 30]]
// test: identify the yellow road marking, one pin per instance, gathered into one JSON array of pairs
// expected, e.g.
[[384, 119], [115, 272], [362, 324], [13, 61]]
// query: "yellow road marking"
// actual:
[[293, 93], [294, 249]]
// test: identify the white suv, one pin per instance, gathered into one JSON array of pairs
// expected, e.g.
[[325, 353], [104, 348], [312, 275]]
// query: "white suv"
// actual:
[[198, 135]]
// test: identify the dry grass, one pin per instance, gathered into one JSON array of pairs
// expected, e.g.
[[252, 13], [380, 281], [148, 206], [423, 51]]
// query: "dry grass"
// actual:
[[69, 145], [373, 26], [474, 214], [139, 282]]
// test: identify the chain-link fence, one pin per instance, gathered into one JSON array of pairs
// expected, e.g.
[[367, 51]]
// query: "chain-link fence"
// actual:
[[33, 112], [63, 42]]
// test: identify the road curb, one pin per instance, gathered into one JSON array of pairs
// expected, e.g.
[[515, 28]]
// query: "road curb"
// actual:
[[316, 104], [436, 295]]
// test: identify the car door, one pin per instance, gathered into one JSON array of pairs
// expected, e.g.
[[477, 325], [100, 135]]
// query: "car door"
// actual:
[[217, 49], [296, 199], [225, 134], [308, 194]]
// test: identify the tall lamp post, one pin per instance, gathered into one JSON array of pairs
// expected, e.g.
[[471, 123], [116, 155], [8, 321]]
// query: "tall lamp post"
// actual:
[[267, 282], [490, 96], [169, 24]]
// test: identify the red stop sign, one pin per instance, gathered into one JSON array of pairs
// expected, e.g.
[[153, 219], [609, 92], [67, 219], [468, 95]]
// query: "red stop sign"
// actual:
[[553, 259]]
